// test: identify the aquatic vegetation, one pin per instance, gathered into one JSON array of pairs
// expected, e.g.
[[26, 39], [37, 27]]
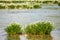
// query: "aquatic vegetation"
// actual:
[[36, 6], [39, 28], [59, 4], [18, 6], [11, 7], [2, 7], [45, 1], [22, 5], [25, 6], [12, 29], [55, 2], [5, 1], [18, 1]]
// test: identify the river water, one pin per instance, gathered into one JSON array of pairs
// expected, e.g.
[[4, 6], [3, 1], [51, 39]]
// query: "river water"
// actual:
[[25, 17]]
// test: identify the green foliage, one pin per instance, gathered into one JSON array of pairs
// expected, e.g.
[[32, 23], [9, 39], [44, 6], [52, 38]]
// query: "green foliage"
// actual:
[[45, 1], [39, 28], [37, 6], [24, 6], [59, 4], [55, 2], [18, 6], [11, 6], [2, 7], [13, 28], [4, 1]]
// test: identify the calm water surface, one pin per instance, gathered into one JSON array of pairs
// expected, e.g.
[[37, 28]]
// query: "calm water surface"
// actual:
[[25, 17]]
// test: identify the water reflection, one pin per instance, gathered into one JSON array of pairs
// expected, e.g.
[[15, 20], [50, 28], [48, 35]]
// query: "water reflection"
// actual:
[[30, 37], [41, 37], [14, 37]]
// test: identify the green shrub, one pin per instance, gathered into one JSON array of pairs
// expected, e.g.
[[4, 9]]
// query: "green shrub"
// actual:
[[45, 1], [39, 28], [36, 6], [2, 7], [24, 6], [58, 4], [29, 7], [13, 29], [11, 7], [55, 2], [18, 6]]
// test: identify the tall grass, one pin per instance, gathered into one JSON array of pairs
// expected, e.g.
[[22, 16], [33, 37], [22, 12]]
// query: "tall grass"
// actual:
[[39, 28], [12, 29]]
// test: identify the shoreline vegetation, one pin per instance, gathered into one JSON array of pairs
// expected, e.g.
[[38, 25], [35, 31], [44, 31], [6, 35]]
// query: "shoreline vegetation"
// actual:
[[25, 4], [39, 28]]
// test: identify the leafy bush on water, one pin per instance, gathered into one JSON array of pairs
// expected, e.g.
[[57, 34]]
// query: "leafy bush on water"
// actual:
[[36, 6], [39, 28], [14, 28], [55, 2], [24, 6], [18, 6], [11, 6], [59, 4], [2, 7]]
